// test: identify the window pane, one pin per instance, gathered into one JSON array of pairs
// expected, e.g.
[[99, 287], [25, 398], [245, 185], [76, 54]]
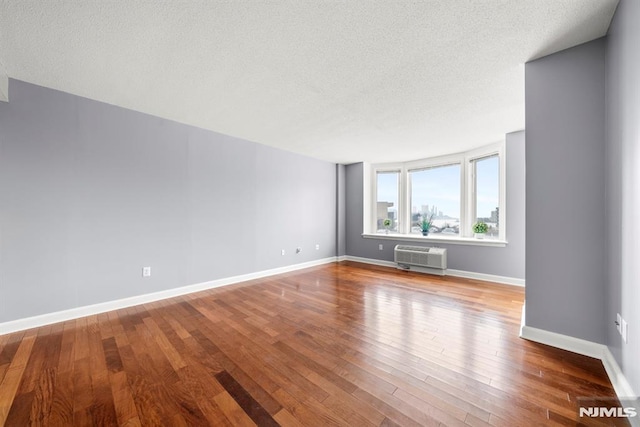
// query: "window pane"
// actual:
[[387, 201], [488, 193], [436, 192]]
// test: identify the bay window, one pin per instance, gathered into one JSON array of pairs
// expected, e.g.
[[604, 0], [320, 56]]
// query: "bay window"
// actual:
[[454, 192]]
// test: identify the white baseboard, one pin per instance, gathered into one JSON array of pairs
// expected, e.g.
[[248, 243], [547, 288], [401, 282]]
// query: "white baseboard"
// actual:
[[369, 261], [514, 281], [620, 383], [74, 313], [617, 378], [449, 272], [341, 258], [77, 312], [564, 342]]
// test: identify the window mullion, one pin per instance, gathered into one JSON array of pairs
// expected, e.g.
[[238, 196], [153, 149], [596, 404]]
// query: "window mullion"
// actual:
[[373, 182], [404, 208], [464, 197], [471, 213]]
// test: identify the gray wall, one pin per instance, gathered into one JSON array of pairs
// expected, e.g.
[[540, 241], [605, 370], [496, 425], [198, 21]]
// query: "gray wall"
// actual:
[[623, 185], [565, 237], [506, 261], [90, 193]]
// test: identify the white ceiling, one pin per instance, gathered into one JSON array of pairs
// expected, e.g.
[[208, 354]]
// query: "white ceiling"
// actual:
[[344, 81]]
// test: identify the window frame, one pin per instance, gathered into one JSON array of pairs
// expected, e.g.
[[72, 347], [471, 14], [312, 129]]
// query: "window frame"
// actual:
[[466, 160], [471, 157], [432, 163], [387, 168]]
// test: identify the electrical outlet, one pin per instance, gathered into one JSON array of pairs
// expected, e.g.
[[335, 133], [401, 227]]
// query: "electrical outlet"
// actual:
[[146, 271], [624, 330], [380, 247], [282, 252], [619, 323], [317, 247]]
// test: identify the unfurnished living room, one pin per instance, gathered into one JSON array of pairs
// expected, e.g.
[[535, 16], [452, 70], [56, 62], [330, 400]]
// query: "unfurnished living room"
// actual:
[[311, 213]]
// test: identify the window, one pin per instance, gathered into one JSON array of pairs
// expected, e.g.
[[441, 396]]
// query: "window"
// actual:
[[487, 193], [435, 195], [453, 191], [388, 186]]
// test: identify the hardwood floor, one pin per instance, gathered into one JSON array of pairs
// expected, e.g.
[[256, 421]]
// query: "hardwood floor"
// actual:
[[340, 344]]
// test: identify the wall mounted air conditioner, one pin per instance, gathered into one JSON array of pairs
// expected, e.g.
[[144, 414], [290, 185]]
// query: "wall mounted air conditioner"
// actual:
[[419, 258]]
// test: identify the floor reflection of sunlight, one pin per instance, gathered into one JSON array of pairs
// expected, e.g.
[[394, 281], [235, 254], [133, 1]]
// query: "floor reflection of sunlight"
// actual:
[[427, 328]]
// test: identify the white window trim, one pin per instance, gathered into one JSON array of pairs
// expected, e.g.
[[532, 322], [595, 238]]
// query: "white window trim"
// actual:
[[467, 196], [387, 167], [477, 154], [435, 241]]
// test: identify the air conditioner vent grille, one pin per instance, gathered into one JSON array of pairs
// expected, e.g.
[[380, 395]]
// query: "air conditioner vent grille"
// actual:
[[412, 248], [419, 256]]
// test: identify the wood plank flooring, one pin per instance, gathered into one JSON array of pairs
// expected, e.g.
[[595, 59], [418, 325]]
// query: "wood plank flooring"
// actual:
[[341, 344]]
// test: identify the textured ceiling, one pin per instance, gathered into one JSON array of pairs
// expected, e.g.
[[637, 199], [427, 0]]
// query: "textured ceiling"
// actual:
[[379, 80]]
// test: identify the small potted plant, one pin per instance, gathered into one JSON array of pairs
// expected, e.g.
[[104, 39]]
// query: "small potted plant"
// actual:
[[479, 229], [387, 224], [425, 225]]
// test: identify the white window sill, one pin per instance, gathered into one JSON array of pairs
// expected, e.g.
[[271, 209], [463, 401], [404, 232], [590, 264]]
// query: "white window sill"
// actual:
[[471, 241]]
